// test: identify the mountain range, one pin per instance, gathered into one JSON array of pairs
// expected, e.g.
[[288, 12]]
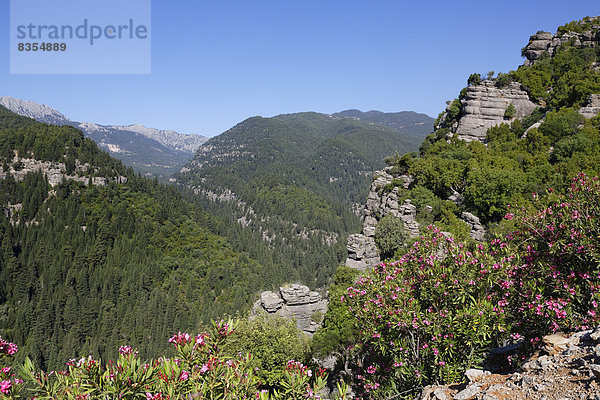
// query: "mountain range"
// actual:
[[149, 151]]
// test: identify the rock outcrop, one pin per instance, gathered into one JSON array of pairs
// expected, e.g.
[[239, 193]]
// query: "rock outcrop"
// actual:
[[592, 108], [485, 106], [570, 369], [477, 230], [55, 172], [546, 42], [362, 252], [294, 302], [384, 199]]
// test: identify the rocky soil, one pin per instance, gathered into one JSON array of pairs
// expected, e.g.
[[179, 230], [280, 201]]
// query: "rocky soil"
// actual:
[[568, 368]]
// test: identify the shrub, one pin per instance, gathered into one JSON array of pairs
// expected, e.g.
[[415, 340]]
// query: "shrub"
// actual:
[[556, 283], [199, 370], [510, 111], [559, 124], [426, 317], [390, 236], [271, 341], [474, 79], [337, 331]]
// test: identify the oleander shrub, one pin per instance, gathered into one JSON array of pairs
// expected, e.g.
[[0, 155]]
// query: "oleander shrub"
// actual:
[[437, 311], [427, 317], [555, 286], [199, 370]]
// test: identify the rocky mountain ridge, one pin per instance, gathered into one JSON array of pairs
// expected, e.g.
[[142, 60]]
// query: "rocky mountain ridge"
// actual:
[[39, 112], [148, 150], [584, 33]]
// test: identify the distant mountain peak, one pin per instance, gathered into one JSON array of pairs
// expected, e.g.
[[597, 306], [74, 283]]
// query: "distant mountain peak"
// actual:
[[146, 149], [39, 112]]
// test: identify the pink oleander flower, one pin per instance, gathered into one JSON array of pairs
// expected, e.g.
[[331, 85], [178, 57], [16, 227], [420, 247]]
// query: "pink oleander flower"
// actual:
[[126, 350], [184, 375], [204, 368], [5, 386], [371, 369]]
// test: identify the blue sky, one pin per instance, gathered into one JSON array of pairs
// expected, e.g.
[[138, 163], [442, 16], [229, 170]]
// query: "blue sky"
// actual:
[[216, 63]]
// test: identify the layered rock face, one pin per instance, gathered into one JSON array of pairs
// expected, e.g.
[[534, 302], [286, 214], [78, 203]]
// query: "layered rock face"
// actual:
[[55, 172], [362, 252], [546, 42], [485, 106], [294, 302]]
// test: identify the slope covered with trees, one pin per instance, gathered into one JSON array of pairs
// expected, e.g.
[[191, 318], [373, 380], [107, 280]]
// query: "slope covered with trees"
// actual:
[[437, 307], [85, 268], [291, 182]]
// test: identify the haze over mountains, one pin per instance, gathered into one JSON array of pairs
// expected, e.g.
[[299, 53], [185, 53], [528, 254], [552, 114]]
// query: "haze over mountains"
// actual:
[[148, 150]]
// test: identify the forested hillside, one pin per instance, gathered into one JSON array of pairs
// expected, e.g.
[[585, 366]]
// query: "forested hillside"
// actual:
[[292, 183], [87, 267]]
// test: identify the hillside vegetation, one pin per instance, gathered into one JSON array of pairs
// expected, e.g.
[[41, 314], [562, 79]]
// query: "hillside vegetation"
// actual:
[[86, 268], [292, 182]]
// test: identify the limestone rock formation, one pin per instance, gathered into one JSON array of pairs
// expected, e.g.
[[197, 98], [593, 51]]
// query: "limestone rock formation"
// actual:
[[546, 42], [294, 302], [485, 106], [362, 252], [592, 108], [570, 369], [55, 172], [477, 230]]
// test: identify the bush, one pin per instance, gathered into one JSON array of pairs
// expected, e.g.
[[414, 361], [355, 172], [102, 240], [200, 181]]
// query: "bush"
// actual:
[[554, 284], [510, 111], [199, 370], [474, 79], [271, 341], [390, 236], [337, 331], [426, 317], [560, 124], [435, 312]]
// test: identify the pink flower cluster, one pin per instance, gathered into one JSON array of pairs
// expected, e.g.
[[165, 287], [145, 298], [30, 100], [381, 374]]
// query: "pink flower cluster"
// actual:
[[7, 347]]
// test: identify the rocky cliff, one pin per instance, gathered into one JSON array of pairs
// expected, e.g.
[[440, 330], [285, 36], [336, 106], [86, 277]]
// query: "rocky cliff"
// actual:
[[55, 172], [587, 34], [362, 251], [485, 105], [294, 302]]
